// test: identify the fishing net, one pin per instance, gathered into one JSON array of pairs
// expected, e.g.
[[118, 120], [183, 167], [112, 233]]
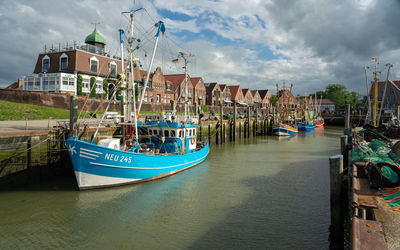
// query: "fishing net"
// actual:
[[389, 174], [375, 151]]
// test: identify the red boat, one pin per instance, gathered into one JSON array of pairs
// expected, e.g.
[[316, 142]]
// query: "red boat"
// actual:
[[320, 122]]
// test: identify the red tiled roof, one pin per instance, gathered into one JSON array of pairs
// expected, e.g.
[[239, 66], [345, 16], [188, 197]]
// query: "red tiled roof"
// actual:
[[380, 84], [234, 90], [254, 92], [195, 80], [327, 102], [175, 79]]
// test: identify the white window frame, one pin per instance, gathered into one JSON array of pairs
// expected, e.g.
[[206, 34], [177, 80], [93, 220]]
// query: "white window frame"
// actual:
[[116, 67], [63, 56], [93, 58], [45, 58]]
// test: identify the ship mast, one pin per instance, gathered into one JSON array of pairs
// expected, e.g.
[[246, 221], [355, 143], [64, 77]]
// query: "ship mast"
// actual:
[[375, 90], [185, 58], [131, 83]]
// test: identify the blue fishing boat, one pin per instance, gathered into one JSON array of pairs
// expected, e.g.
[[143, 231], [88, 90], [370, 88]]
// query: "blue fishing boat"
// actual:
[[165, 146], [305, 126], [170, 147]]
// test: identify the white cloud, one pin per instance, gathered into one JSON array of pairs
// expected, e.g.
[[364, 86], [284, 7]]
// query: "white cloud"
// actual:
[[312, 43]]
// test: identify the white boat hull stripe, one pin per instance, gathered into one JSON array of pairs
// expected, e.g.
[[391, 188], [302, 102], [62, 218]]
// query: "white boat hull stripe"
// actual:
[[114, 166]]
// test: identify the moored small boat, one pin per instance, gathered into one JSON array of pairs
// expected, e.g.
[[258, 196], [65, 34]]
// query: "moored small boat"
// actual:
[[284, 130], [320, 121], [305, 126]]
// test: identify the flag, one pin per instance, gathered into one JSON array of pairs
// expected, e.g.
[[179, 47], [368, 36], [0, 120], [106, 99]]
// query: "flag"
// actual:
[[175, 61]]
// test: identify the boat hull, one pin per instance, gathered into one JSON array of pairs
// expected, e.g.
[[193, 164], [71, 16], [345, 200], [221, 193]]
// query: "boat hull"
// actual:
[[97, 166], [284, 130], [320, 124], [305, 127]]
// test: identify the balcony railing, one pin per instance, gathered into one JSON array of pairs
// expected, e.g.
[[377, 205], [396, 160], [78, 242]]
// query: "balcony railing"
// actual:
[[52, 48]]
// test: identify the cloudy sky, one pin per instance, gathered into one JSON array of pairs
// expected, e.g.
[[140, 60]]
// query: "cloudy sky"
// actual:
[[255, 43]]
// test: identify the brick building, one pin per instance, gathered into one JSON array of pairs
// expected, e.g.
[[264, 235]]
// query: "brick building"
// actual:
[[236, 94], [58, 67], [256, 98], [178, 87], [199, 90], [213, 94], [248, 97], [225, 94], [392, 98], [265, 96]]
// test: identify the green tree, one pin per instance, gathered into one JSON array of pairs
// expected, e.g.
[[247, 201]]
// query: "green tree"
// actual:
[[79, 85], [319, 94], [274, 99], [136, 92], [105, 88], [92, 87], [339, 95]]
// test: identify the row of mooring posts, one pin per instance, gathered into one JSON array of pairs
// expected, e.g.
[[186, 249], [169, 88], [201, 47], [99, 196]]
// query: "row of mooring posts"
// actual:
[[233, 129], [340, 185]]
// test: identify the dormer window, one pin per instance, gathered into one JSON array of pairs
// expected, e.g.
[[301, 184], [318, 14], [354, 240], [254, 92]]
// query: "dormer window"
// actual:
[[113, 68], [45, 63], [63, 62], [94, 64]]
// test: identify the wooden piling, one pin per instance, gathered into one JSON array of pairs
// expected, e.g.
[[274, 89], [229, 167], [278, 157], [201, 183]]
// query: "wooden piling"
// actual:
[[234, 120], [344, 149], [223, 134], [73, 113], [200, 133], [216, 133], [248, 121], [209, 134], [221, 117], [347, 117], [337, 213], [240, 130]]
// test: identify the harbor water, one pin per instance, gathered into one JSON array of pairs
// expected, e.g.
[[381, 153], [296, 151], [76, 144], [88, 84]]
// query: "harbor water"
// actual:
[[258, 193]]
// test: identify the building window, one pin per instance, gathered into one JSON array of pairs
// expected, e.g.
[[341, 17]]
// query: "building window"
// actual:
[[158, 98], [85, 85], [113, 68], [63, 62], [165, 98], [99, 86], [94, 64], [45, 63], [145, 97]]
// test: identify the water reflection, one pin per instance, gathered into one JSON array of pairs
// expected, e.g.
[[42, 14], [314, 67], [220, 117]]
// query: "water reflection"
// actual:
[[248, 194]]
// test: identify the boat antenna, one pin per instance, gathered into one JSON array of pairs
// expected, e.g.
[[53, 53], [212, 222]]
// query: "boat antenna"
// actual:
[[375, 89], [384, 91], [368, 116], [185, 58]]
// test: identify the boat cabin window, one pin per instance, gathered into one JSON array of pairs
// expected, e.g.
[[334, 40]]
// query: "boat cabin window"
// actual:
[[150, 132], [194, 132], [166, 132], [155, 131], [172, 133], [180, 133]]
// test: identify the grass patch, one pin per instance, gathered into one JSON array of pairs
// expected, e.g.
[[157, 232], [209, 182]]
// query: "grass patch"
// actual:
[[22, 111]]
